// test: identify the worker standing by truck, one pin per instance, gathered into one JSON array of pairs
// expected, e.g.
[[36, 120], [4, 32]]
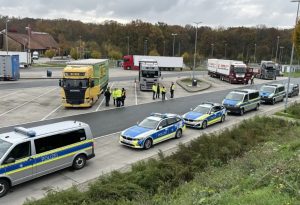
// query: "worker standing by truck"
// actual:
[[154, 90], [119, 97], [157, 91], [163, 93], [172, 88], [107, 95], [114, 96], [123, 96]]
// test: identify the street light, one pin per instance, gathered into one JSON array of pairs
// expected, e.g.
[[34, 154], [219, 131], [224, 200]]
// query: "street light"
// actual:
[[292, 56], [195, 49], [255, 53], [127, 45], [145, 47], [29, 45], [212, 50], [278, 37], [280, 54], [174, 35], [7, 20]]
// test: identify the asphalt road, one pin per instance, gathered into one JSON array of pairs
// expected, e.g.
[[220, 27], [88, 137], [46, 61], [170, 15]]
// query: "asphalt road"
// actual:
[[30, 83], [115, 120]]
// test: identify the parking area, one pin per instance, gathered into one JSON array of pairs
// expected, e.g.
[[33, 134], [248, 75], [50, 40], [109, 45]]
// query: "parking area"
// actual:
[[21, 105]]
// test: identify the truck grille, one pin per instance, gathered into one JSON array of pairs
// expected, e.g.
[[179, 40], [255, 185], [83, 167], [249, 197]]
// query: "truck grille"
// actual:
[[75, 96]]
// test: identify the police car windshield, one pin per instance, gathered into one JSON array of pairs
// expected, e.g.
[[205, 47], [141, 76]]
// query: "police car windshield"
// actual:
[[267, 89], [202, 109], [149, 123], [4, 146], [235, 96]]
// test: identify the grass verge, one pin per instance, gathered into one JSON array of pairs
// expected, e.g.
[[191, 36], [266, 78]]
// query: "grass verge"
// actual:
[[293, 74], [292, 111], [253, 163]]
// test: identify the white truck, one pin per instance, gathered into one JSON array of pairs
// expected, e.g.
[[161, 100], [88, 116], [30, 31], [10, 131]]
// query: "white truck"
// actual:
[[131, 62], [148, 73], [24, 57], [228, 70]]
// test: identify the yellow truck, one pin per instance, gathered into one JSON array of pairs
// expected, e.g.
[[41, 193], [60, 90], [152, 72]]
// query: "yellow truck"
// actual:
[[83, 81]]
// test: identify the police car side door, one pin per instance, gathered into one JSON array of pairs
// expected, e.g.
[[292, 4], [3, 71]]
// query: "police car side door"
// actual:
[[19, 163], [172, 126], [162, 131]]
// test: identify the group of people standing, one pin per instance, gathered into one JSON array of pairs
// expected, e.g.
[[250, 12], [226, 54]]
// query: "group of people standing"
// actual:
[[118, 95], [157, 89]]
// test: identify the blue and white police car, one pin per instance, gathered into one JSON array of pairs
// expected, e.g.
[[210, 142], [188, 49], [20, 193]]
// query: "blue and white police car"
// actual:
[[205, 114], [152, 130]]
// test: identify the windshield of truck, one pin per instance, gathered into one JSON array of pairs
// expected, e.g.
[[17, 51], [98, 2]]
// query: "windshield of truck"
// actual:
[[4, 146], [235, 96], [149, 74], [239, 70], [76, 83], [126, 59], [202, 109], [149, 123], [268, 89]]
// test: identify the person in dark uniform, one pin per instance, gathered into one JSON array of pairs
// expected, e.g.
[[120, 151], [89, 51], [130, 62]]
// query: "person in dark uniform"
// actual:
[[172, 88], [107, 95], [123, 96], [157, 90]]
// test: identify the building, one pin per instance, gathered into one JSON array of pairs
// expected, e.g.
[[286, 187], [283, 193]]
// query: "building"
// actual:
[[34, 41]]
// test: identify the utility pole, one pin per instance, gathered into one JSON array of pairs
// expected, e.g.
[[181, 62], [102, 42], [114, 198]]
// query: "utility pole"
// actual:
[[278, 37], [6, 31], [174, 35], [195, 49]]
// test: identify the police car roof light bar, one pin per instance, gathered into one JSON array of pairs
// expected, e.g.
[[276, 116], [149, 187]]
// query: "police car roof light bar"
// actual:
[[24, 131]]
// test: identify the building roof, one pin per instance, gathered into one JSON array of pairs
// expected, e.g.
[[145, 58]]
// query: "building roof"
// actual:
[[38, 40]]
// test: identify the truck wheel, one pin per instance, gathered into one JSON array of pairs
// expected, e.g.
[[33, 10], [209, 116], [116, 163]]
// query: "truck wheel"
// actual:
[[178, 134], [204, 124], [273, 101], [4, 187], [148, 144], [79, 162]]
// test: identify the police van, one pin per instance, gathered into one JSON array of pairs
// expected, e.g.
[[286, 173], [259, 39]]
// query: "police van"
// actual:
[[272, 93], [26, 154], [241, 101]]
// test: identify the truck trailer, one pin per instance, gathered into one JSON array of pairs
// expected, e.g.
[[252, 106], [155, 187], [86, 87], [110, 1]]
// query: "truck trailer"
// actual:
[[9, 67], [83, 81], [24, 57], [229, 70], [131, 62]]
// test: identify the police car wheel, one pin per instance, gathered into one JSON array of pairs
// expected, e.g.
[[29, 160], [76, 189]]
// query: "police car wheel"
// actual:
[[178, 134], [148, 144], [242, 112], [4, 187], [79, 162], [223, 118], [273, 101], [204, 124]]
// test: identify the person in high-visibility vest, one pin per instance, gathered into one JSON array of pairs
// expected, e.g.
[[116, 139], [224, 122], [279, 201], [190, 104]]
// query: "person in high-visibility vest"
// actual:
[[123, 96], [154, 90], [163, 93], [172, 88], [114, 96], [119, 97]]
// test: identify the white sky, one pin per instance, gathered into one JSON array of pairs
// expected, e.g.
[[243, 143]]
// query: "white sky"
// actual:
[[272, 13]]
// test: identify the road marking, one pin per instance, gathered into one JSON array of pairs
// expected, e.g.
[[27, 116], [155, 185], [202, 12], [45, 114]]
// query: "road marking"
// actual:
[[26, 102], [112, 85], [53, 111], [9, 94], [107, 135], [136, 102]]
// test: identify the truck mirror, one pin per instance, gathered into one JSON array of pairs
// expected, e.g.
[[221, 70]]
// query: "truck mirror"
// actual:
[[10, 160], [60, 83], [92, 84]]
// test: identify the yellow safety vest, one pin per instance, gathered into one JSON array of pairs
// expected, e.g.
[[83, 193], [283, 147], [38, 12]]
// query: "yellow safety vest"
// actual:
[[114, 94], [173, 87], [163, 90], [154, 88], [119, 93]]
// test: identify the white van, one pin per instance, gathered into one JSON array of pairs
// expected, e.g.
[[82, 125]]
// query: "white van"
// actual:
[[26, 154]]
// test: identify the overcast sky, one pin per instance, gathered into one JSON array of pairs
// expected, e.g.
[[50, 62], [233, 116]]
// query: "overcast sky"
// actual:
[[275, 13]]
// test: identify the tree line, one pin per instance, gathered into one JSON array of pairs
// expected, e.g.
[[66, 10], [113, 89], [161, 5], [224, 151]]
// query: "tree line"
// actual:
[[112, 39]]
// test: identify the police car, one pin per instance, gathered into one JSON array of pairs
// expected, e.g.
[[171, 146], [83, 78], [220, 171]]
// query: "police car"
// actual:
[[152, 130], [205, 114]]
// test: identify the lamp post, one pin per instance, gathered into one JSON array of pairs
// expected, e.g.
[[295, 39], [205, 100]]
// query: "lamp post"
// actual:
[[164, 48], [29, 45], [127, 45], [291, 62], [174, 35], [254, 53], [212, 50], [278, 37], [195, 48], [145, 47], [6, 38], [280, 54]]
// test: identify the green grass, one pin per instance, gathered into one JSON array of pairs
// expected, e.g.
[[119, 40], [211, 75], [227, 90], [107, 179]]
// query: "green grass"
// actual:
[[254, 163], [293, 74], [44, 65], [293, 112]]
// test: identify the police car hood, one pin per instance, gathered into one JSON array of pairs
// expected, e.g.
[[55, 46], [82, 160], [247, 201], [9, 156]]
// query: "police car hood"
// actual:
[[230, 102], [264, 94], [193, 115], [137, 132]]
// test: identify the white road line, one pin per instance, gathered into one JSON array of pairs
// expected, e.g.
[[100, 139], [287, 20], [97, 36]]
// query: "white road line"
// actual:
[[104, 97], [9, 94], [136, 102], [53, 111], [107, 135], [26, 102]]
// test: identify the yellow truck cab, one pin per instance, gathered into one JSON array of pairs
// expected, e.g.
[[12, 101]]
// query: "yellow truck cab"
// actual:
[[83, 81]]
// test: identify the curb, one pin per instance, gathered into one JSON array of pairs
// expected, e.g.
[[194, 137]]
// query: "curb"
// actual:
[[186, 88]]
